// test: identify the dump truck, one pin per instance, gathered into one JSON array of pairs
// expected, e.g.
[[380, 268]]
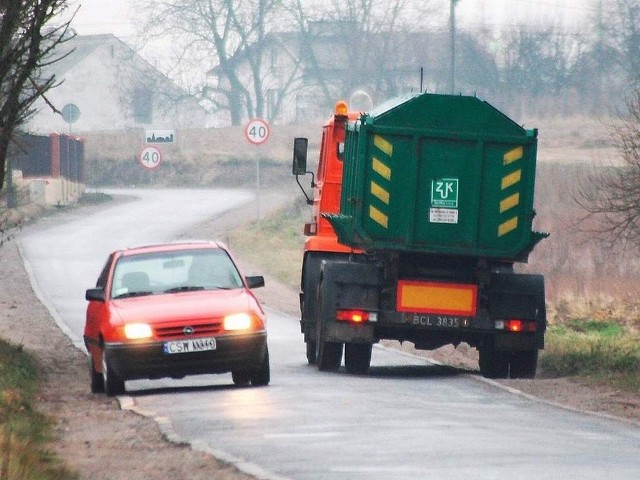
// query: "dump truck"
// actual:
[[421, 209]]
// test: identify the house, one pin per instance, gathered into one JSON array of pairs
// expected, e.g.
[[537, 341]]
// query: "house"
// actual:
[[107, 86]]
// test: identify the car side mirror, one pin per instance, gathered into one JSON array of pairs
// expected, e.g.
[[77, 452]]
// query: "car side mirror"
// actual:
[[96, 294], [299, 156], [255, 281]]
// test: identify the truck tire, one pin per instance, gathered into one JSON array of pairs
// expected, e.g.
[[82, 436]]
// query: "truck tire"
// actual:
[[309, 288], [357, 357], [524, 364], [311, 352], [328, 354], [493, 363]]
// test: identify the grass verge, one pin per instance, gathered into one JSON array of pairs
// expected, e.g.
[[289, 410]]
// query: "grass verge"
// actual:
[[274, 243], [598, 351], [24, 432]]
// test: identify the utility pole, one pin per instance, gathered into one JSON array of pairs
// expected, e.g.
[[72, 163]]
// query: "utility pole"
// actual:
[[452, 29]]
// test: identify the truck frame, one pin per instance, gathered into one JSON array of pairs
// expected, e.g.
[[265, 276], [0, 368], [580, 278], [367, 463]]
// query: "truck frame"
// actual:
[[388, 253]]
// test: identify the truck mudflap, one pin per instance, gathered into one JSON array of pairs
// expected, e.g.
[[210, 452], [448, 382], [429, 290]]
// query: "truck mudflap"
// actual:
[[517, 296], [347, 286]]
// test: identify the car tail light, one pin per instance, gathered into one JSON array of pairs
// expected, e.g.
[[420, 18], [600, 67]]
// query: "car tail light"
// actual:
[[516, 326], [356, 316]]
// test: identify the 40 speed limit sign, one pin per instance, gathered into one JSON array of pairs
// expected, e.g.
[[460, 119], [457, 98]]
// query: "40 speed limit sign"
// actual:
[[150, 157], [257, 131]]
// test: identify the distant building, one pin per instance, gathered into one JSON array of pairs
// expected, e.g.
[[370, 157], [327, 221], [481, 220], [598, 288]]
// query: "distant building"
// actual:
[[106, 86]]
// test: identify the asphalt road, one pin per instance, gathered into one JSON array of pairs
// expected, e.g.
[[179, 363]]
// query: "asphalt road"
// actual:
[[408, 419]]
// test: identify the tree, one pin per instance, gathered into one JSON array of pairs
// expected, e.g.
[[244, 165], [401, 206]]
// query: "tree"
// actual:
[[611, 196], [26, 46], [225, 39], [360, 45]]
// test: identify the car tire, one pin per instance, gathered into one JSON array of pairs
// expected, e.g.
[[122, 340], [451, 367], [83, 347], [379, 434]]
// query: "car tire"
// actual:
[[113, 384], [97, 380], [357, 357], [241, 377], [262, 376]]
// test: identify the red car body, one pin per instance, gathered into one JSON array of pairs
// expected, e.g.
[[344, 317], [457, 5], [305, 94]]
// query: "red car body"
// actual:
[[174, 310]]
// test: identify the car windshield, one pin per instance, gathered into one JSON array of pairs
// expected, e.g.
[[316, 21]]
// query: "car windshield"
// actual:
[[174, 271]]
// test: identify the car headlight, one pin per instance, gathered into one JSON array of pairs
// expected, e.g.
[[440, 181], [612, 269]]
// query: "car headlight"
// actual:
[[237, 321], [137, 331]]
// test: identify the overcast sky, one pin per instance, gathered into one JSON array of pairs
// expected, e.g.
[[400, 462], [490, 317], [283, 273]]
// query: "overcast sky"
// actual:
[[100, 16]]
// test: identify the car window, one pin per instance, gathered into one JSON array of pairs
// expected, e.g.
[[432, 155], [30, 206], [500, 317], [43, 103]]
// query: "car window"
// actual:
[[176, 271]]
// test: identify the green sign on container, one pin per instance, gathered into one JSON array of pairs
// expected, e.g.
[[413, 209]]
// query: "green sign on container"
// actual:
[[444, 193]]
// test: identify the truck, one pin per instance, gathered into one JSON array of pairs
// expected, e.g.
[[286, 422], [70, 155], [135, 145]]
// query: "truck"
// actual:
[[421, 210]]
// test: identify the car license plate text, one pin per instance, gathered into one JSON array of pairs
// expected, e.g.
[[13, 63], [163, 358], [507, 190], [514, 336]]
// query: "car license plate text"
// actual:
[[191, 345]]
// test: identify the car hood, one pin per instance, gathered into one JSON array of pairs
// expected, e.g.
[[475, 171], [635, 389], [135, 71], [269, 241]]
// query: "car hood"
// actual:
[[186, 306]]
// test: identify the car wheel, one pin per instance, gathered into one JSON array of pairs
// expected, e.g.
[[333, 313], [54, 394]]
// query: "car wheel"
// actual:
[[357, 357], [113, 384], [240, 377], [262, 376], [97, 381]]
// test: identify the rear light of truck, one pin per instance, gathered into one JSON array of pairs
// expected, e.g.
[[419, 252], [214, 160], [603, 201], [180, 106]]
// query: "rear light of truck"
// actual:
[[356, 316], [516, 326]]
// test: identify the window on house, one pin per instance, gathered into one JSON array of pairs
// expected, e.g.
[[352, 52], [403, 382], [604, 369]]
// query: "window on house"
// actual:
[[142, 105]]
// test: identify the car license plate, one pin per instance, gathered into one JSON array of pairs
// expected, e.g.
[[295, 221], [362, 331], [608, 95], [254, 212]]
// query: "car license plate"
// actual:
[[189, 346]]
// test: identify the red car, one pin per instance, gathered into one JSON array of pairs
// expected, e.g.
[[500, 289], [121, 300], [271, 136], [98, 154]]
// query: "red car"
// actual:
[[174, 310]]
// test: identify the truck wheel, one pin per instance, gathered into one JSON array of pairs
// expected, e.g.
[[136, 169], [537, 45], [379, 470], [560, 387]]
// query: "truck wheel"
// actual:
[[328, 355], [523, 364], [357, 357], [311, 352], [309, 287], [493, 363]]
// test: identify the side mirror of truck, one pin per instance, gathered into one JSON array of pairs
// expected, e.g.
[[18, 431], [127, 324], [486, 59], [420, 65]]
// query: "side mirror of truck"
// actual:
[[299, 156]]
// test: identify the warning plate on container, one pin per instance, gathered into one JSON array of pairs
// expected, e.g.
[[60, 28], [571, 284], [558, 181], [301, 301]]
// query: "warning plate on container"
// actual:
[[443, 215]]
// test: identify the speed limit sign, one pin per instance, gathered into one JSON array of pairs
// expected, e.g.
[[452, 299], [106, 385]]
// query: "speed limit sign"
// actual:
[[257, 131], [150, 157]]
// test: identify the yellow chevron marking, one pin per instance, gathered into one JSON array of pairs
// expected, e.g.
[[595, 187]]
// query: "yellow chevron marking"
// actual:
[[381, 169], [507, 226], [511, 179], [383, 145], [509, 202], [378, 216], [380, 192], [512, 155]]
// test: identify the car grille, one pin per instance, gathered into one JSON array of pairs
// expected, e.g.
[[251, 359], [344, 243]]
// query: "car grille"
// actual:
[[199, 330]]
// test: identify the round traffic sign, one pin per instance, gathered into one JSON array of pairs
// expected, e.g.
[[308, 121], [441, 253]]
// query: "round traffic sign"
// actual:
[[257, 131], [150, 157]]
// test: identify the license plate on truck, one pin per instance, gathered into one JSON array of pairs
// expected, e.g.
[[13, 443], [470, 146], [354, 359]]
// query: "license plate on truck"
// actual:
[[189, 346]]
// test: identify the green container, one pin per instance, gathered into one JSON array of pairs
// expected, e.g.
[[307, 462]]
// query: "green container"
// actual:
[[438, 174]]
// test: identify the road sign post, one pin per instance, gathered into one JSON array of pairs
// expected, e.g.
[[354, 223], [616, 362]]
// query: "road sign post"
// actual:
[[257, 132]]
